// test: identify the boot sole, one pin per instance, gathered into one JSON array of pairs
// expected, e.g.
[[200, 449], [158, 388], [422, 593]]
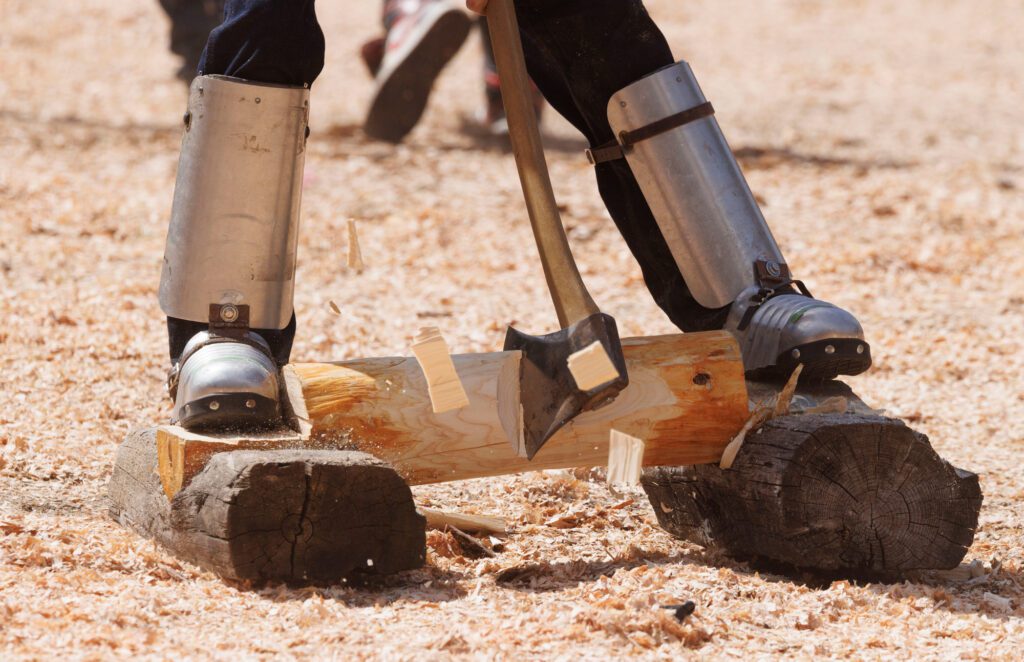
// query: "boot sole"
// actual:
[[848, 356], [402, 94], [226, 412]]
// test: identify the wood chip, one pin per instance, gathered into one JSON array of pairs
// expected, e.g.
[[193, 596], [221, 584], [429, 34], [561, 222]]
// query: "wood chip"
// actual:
[[443, 383], [786, 394], [834, 405], [439, 519], [625, 459], [763, 412], [591, 367], [355, 253]]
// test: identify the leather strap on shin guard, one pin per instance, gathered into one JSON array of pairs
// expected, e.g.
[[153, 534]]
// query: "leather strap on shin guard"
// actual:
[[616, 149]]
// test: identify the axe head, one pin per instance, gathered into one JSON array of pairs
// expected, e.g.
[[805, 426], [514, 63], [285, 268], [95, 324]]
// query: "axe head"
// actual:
[[548, 393]]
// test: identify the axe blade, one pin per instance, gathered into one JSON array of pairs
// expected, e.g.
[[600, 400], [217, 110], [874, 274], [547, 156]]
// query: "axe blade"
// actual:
[[548, 393]]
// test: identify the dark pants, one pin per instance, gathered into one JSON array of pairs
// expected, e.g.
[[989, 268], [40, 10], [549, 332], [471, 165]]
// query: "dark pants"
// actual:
[[579, 52]]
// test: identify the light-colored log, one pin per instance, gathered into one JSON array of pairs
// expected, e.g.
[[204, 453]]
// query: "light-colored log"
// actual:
[[686, 399]]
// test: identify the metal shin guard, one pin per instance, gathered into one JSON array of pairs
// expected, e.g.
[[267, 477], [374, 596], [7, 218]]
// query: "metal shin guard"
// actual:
[[667, 133], [234, 223]]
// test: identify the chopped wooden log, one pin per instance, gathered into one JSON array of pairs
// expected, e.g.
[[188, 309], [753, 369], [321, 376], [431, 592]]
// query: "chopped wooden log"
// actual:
[[686, 399], [299, 516], [851, 492]]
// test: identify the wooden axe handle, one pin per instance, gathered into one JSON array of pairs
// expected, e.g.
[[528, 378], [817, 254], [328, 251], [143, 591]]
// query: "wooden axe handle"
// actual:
[[571, 298]]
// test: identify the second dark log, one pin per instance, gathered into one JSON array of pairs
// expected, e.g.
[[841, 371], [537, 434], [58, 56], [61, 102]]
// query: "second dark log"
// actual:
[[828, 492]]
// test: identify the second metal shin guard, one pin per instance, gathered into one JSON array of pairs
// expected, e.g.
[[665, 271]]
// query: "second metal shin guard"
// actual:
[[706, 211], [235, 220], [666, 131]]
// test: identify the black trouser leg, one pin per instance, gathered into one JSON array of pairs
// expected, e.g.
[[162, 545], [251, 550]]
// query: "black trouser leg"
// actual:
[[579, 53], [265, 41]]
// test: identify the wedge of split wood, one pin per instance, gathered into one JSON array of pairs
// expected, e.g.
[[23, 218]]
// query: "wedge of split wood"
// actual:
[[625, 459], [763, 412], [443, 383], [592, 367]]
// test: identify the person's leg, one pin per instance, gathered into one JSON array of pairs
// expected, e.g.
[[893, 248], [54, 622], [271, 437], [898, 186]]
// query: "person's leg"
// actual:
[[677, 194], [229, 265], [579, 53], [267, 41]]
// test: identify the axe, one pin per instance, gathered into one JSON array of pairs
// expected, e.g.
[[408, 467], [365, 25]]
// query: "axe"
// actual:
[[549, 394]]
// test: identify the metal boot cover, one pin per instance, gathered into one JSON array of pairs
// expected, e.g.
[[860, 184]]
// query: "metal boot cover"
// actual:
[[790, 329], [227, 384]]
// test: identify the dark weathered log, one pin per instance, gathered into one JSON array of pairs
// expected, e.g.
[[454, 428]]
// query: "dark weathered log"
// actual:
[[284, 515], [831, 492]]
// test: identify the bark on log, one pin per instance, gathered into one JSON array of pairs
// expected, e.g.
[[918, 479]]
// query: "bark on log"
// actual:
[[851, 493], [284, 515], [686, 399]]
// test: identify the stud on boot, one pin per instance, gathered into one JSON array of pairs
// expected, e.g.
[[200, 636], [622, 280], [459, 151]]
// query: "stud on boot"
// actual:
[[225, 384]]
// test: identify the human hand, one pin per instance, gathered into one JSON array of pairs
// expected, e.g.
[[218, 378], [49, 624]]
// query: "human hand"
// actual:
[[476, 6]]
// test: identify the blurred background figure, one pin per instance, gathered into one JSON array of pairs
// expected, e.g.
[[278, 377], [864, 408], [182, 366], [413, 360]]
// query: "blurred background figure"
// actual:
[[420, 38], [191, 23]]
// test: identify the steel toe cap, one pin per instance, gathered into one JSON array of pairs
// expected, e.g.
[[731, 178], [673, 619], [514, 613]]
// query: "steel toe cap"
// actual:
[[817, 320], [226, 368]]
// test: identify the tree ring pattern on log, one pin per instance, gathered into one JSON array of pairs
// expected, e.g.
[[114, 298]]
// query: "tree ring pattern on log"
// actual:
[[297, 528], [832, 492]]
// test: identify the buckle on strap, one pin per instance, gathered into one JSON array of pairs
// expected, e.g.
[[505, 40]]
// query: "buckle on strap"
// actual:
[[616, 149], [610, 151], [774, 279]]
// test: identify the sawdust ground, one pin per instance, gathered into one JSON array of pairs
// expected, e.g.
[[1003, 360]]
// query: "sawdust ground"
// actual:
[[885, 140]]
